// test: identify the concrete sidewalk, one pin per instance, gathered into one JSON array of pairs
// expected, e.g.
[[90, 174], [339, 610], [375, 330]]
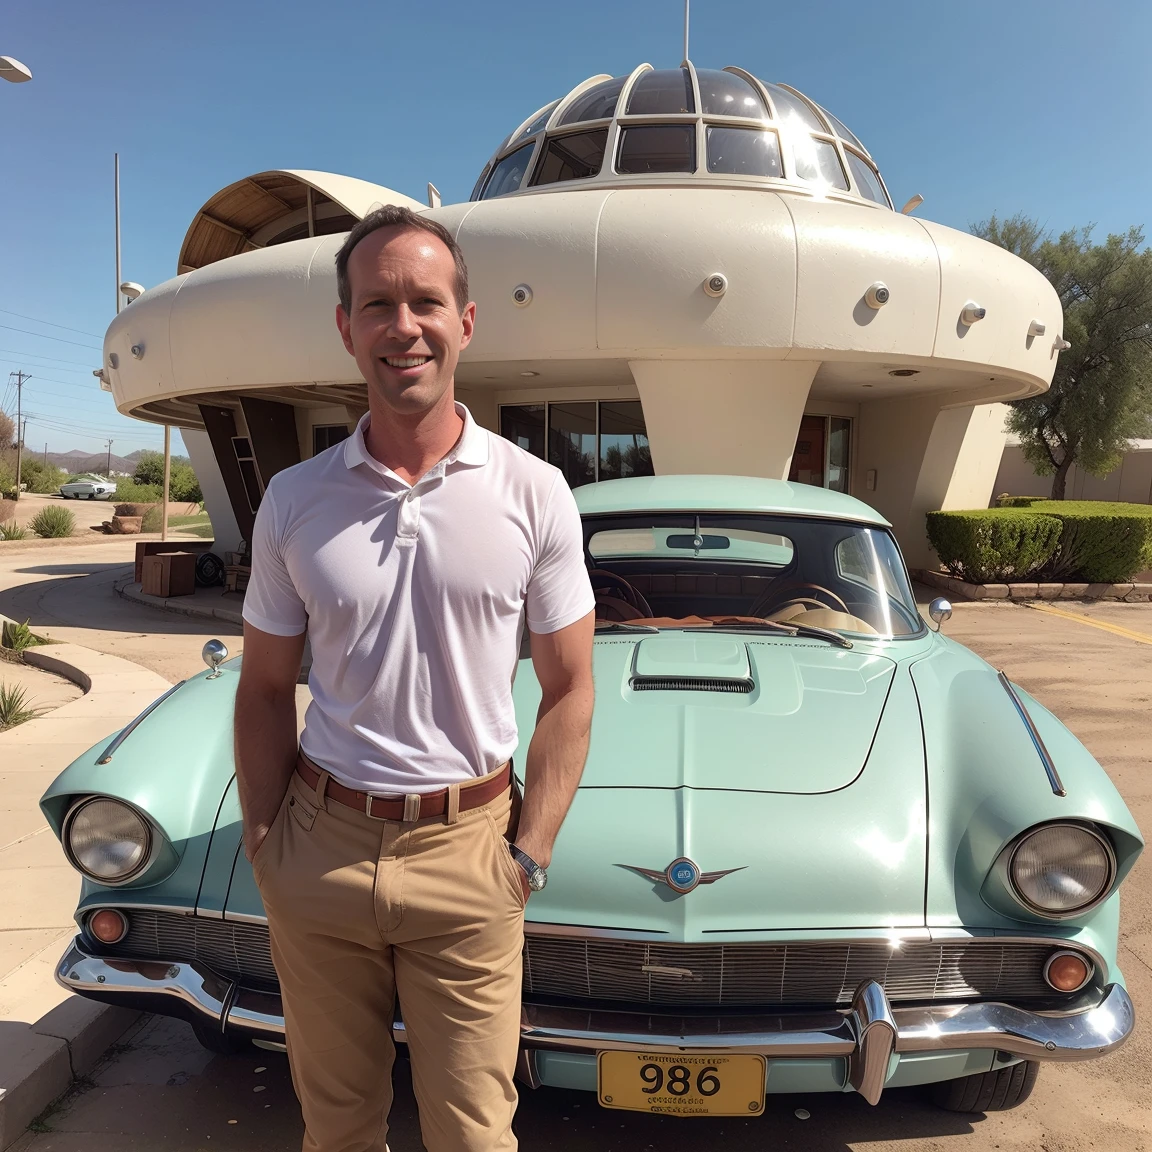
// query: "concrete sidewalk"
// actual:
[[47, 1037]]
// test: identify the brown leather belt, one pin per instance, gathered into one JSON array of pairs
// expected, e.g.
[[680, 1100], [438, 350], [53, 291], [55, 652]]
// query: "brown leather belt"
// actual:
[[414, 807]]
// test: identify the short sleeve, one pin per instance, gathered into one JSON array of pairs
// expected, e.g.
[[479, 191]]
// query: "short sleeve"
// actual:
[[559, 591], [271, 602]]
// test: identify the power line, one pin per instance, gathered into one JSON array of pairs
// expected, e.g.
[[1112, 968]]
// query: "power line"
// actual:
[[37, 362], [41, 356], [50, 323], [45, 336]]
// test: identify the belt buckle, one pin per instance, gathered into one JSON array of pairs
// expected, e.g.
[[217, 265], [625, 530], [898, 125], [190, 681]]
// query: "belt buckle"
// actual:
[[370, 796]]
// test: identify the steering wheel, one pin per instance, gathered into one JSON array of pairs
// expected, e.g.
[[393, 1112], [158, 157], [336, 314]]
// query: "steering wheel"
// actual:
[[772, 599], [602, 578]]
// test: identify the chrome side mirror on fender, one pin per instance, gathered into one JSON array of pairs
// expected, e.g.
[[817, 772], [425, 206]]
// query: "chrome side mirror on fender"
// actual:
[[940, 610], [215, 652]]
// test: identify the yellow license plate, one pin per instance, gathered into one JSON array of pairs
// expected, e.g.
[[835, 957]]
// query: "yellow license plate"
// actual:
[[682, 1084]]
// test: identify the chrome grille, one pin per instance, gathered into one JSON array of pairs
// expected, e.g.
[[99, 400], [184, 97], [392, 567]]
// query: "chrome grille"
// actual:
[[780, 974], [689, 684], [639, 972]]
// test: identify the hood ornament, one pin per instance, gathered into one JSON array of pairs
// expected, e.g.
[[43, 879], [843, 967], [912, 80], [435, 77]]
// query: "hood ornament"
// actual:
[[682, 875]]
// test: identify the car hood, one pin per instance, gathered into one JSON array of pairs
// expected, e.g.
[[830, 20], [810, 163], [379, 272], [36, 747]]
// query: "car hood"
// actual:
[[746, 713]]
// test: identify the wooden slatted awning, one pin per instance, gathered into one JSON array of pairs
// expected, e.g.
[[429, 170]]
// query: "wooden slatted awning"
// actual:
[[274, 207]]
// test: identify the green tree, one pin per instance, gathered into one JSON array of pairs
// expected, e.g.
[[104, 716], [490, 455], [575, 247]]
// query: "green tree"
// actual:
[[40, 477], [183, 487], [149, 468], [1101, 394], [7, 432]]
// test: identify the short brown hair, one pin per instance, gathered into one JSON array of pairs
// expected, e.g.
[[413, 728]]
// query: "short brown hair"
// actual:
[[394, 216]]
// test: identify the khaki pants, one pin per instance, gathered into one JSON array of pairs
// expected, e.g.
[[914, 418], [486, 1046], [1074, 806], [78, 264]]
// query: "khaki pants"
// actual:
[[363, 911]]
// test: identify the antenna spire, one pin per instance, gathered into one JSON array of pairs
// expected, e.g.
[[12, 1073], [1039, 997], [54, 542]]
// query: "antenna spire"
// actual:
[[686, 2]]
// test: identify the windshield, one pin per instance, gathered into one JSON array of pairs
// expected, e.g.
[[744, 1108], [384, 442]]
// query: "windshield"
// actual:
[[669, 570]]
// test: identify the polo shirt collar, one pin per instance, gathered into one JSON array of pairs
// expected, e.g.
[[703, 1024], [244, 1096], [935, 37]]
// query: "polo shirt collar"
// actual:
[[471, 448]]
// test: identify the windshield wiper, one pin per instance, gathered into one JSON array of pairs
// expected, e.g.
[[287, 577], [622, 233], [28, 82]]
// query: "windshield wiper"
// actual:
[[789, 627], [621, 626]]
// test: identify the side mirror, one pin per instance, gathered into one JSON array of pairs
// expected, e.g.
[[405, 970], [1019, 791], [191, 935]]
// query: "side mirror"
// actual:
[[940, 610], [215, 653]]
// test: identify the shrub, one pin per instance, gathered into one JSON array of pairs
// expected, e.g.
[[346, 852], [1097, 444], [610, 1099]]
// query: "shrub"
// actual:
[[1007, 501], [993, 545], [40, 477], [14, 707], [16, 637], [1102, 542], [53, 522], [183, 487], [12, 531], [149, 469], [128, 491], [153, 518]]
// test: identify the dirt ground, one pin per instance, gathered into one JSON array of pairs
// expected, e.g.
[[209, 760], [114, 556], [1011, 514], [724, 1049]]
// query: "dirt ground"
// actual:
[[160, 1090]]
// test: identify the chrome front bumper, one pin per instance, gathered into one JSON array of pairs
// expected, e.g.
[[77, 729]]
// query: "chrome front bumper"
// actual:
[[866, 1034]]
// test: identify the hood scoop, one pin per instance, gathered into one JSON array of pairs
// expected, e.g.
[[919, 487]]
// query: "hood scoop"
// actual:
[[691, 664]]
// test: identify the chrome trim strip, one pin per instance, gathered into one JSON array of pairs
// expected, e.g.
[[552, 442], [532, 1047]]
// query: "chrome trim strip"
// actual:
[[132, 725], [866, 1034], [1045, 758]]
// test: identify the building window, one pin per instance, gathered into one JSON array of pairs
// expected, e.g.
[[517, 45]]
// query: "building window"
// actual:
[[588, 440], [325, 435], [821, 456]]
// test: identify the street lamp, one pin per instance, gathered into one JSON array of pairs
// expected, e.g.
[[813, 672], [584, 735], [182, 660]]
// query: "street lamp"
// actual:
[[13, 71]]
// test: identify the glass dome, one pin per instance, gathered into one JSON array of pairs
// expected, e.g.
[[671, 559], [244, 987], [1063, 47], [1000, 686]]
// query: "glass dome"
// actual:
[[721, 126]]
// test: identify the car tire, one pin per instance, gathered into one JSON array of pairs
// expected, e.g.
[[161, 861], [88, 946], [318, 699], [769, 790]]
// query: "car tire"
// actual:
[[223, 1043], [995, 1091]]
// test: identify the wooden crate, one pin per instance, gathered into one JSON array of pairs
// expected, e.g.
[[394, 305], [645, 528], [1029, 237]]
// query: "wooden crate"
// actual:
[[169, 574]]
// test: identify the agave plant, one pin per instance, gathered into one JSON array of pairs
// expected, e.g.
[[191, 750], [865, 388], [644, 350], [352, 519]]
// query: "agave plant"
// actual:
[[14, 706], [16, 637], [12, 531]]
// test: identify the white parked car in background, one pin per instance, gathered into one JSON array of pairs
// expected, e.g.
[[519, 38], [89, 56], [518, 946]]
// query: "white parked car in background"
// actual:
[[88, 488]]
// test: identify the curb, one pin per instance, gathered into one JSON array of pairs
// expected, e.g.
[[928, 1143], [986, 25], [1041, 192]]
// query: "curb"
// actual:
[[49, 1037], [129, 589], [1025, 590]]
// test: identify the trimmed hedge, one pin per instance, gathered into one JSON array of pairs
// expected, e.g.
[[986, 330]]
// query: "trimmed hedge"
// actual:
[[1096, 542], [993, 545]]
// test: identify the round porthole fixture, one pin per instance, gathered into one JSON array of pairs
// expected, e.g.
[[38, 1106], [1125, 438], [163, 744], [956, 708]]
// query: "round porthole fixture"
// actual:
[[113, 360], [716, 284], [971, 313], [138, 351], [878, 295], [522, 295], [904, 372]]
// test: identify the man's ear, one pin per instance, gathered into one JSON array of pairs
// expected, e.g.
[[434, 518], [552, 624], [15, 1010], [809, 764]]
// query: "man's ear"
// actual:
[[345, 326], [467, 324]]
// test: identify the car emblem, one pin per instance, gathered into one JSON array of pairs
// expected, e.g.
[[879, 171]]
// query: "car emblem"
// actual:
[[682, 875]]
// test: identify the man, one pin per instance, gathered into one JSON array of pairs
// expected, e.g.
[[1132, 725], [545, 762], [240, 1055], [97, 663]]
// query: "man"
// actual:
[[412, 552]]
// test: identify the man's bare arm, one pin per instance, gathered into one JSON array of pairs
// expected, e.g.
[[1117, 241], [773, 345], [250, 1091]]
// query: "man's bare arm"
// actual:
[[265, 728], [559, 747]]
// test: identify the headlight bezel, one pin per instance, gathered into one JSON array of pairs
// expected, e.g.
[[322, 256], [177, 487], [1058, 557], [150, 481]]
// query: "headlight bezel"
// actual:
[[147, 858], [1031, 907]]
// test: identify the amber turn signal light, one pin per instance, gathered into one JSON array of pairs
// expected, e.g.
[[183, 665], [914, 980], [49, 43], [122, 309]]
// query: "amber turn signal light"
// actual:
[[108, 925], [1067, 971]]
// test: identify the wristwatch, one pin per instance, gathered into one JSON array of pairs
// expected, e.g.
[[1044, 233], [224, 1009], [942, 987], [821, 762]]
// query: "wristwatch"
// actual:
[[537, 876]]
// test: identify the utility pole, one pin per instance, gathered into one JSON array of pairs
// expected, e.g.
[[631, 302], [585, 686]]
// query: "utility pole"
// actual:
[[20, 422], [167, 478], [108, 470], [45, 453]]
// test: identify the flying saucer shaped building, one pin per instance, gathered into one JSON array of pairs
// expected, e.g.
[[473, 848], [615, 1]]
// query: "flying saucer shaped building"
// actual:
[[679, 270]]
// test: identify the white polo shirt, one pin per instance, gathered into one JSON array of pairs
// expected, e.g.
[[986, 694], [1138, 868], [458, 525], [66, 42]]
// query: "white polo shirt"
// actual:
[[413, 597]]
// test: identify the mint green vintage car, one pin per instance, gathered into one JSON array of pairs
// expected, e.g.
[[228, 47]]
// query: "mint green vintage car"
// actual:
[[818, 846]]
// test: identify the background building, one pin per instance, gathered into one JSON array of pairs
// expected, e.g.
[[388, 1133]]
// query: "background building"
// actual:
[[681, 270]]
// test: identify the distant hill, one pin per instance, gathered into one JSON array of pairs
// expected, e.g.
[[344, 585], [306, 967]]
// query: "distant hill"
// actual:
[[79, 461]]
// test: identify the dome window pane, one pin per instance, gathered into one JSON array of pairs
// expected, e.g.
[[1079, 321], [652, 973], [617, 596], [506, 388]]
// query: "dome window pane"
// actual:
[[792, 109], [660, 92], [574, 157], [743, 152], [480, 182], [538, 122], [842, 130], [816, 161], [867, 181], [598, 103], [726, 94], [508, 175], [657, 148]]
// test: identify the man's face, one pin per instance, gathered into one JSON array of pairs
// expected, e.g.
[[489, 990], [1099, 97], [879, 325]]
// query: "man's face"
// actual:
[[405, 329]]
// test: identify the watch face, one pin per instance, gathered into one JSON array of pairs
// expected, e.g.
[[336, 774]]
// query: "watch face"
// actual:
[[537, 880]]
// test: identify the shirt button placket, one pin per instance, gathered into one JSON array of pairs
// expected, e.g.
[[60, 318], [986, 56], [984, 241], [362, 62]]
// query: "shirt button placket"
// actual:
[[408, 518]]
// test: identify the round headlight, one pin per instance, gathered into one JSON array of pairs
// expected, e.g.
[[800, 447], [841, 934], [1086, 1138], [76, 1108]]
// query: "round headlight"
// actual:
[[1061, 869], [107, 840]]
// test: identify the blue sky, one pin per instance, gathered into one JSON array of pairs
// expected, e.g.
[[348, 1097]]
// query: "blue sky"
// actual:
[[1024, 105]]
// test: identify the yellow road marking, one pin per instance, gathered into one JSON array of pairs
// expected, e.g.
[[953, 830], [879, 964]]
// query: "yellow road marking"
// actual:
[[1103, 625]]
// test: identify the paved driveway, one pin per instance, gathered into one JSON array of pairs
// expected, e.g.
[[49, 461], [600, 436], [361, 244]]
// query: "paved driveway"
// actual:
[[160, 1090]]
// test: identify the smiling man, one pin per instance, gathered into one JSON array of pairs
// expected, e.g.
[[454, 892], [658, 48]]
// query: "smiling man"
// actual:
[[387, 846]]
